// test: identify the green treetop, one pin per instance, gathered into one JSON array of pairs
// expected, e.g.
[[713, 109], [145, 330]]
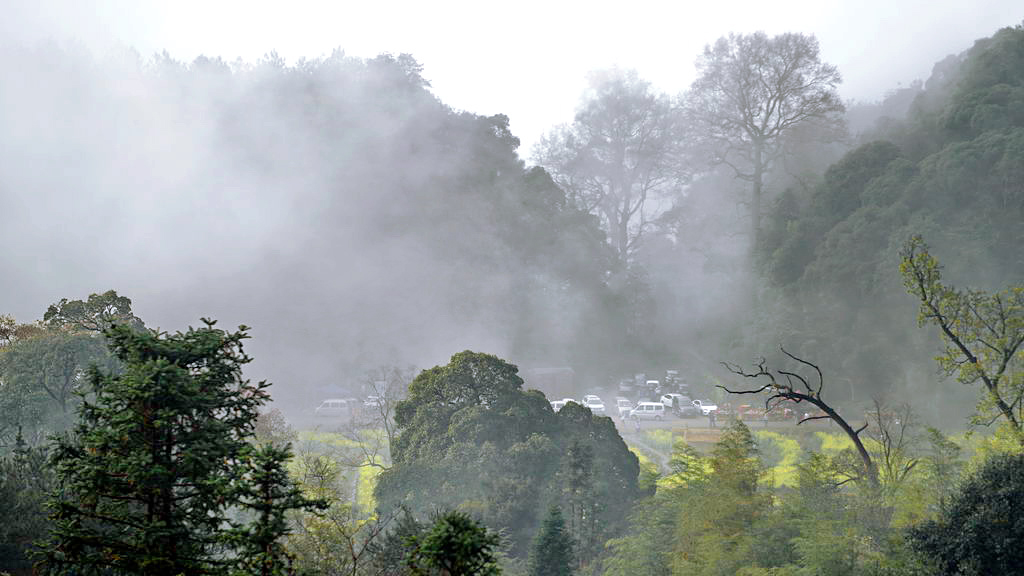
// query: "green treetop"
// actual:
[[552, 551], [159, 457]]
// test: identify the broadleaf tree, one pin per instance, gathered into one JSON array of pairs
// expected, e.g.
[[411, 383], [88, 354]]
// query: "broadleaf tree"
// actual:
[[618, 156], [982, 334], [94, 314], [751, 93], [469, 438], [981, 529]]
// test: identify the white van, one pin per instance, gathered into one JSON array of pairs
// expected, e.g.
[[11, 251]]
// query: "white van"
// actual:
[[337, 408], [648, 411]]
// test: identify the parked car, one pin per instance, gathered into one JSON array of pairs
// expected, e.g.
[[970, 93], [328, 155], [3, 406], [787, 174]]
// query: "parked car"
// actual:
[[680, 405], [648, 411], [705, 406], [689, 411], [594, 402], [557, 405], [674, 402], [337, 408], [623, 406]]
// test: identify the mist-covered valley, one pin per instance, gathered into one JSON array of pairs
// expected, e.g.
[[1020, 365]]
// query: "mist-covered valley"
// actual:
[[366, 231]]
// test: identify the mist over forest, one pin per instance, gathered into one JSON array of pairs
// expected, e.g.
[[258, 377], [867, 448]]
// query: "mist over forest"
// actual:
[[360, 225], [355, 220]]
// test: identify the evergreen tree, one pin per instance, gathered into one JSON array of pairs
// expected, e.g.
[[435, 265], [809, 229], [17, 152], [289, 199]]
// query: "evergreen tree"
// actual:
[[551, 554], [580, 497], [161, 453], [24, 482], [454, 545], [271, 495]]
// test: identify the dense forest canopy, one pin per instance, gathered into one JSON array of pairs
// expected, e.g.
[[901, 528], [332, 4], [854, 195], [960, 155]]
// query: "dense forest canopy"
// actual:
[[950, 171]]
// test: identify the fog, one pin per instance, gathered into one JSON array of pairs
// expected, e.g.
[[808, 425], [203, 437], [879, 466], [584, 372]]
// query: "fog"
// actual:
[[204, 189]]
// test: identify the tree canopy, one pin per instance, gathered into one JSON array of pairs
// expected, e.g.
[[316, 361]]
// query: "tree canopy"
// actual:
[[470, 438], [619, 157], [751, 92], [162, 458]]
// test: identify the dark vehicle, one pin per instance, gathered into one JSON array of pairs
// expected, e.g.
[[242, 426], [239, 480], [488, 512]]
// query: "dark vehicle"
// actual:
[[687, 411]]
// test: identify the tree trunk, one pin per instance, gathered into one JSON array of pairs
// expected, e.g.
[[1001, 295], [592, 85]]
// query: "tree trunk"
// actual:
[[755, 197]]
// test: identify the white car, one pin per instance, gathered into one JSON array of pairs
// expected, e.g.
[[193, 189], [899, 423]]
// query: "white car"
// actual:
[[624, 406], [671, 399], [595, 403], [705, 406], [557, 405], [336, 408]]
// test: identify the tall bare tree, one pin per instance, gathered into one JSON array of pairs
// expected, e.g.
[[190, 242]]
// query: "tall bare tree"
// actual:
[[751, 93], [619, 154]]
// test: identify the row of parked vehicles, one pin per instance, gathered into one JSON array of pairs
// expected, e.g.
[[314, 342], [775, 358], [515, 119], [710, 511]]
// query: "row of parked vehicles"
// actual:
[[672, 404]]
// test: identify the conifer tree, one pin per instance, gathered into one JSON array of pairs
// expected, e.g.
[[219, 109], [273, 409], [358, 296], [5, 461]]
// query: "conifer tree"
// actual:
[[551, 554], [161, 454], [455, 544]]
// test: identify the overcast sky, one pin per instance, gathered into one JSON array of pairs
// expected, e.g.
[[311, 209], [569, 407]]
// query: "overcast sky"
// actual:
[[526, 59]]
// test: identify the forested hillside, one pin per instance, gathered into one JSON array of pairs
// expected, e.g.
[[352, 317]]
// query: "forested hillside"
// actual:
[[950, 171], [336, 204]]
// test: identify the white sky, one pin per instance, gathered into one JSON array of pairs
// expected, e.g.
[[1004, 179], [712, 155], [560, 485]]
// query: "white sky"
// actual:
[[526, 59]]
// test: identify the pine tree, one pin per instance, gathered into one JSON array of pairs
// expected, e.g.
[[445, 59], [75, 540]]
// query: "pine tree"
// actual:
[[552, 551], [161, 454]]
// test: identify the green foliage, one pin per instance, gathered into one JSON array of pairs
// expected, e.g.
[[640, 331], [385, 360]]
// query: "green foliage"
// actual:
[[687, 465], [25, 480], [269, 494], [618, 156], [552, 551], [95, 314], [646, 548], [336, 540], [941, 466], [751, 93], [470, 438], [952, 171], [783, 470], [41, 374], [983, 334], [389, 551], [981, 530], [160, 455], [454, 545], [714, 516]]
